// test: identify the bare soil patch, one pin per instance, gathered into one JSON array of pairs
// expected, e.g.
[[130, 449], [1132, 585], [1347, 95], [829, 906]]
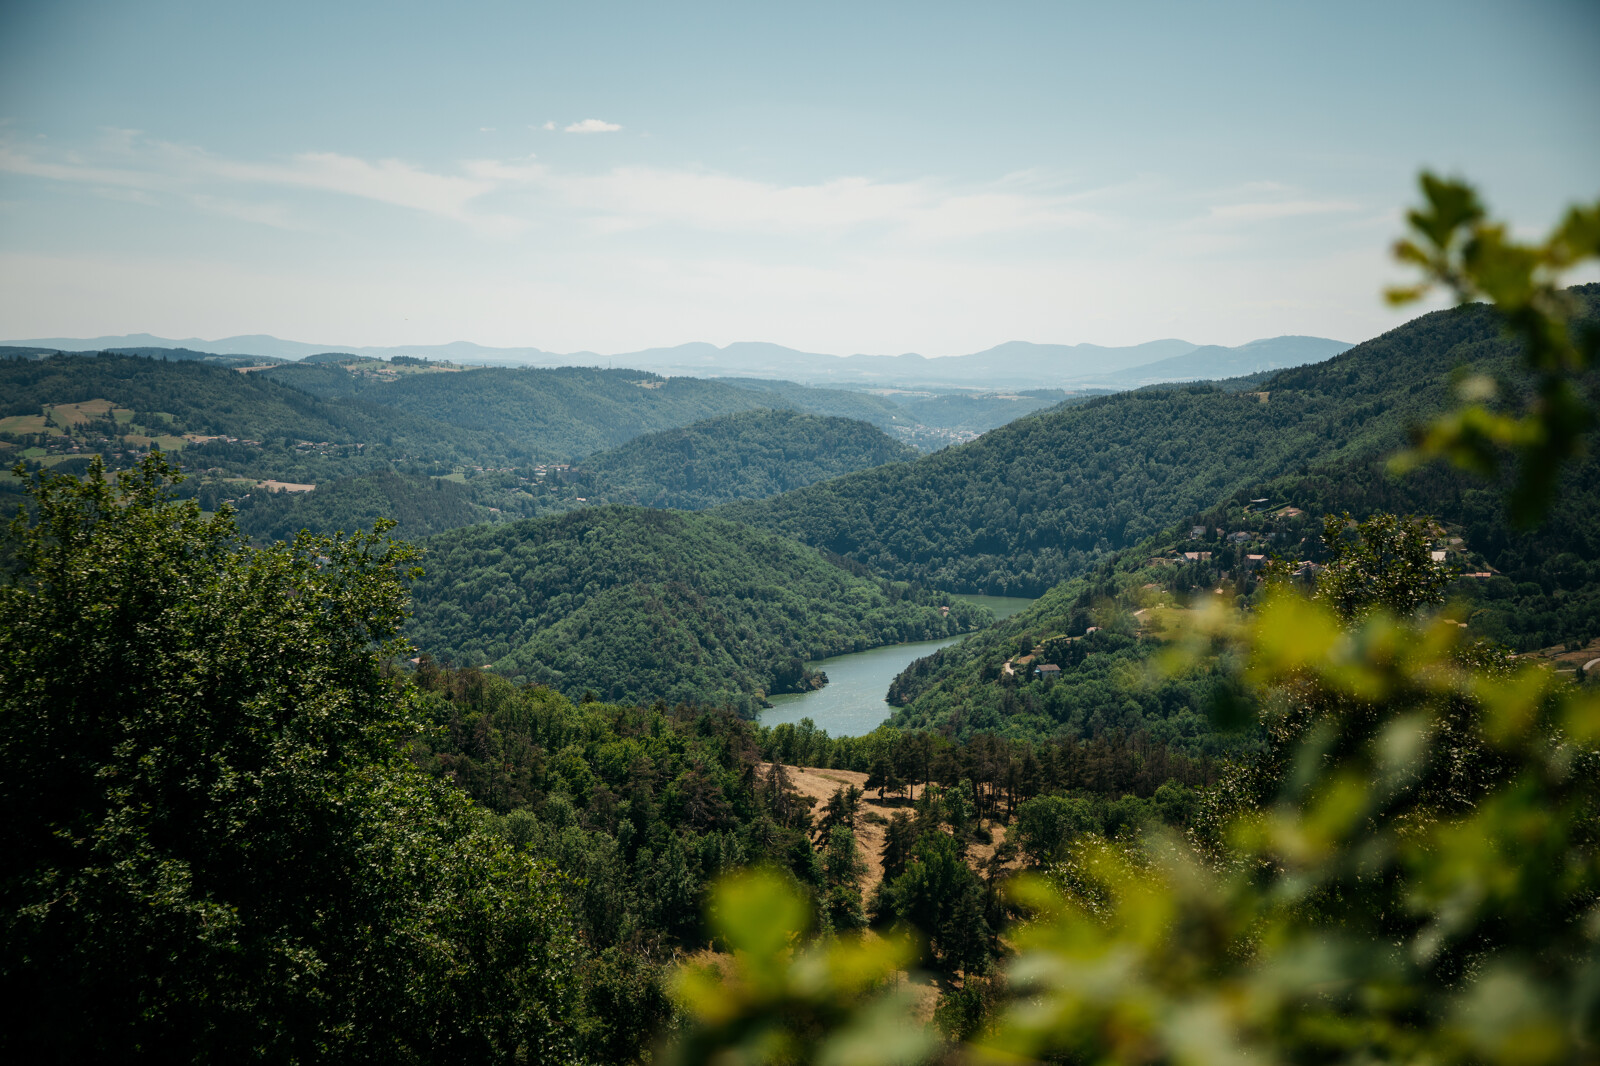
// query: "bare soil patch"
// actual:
[[820, 783]]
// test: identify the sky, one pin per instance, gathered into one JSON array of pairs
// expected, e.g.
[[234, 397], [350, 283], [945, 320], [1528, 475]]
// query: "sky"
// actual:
[[862, 177]]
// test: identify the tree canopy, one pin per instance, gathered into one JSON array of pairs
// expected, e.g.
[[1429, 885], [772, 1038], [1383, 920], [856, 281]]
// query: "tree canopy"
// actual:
[[216, 847]]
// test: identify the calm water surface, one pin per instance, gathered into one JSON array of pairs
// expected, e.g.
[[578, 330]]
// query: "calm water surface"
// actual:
[[852, 702]]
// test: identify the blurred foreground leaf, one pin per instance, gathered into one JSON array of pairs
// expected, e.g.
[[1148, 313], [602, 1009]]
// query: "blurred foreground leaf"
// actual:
[[777, 999]]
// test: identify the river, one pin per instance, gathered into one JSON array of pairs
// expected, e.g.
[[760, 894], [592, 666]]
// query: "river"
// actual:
[[852, 702]]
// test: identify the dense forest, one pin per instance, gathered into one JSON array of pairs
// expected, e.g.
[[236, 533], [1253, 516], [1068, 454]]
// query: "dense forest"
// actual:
[[1543, 585], [1529, 590], [746, 456], [974, 413], [1097, 629], [844, 403], [347, 419], [420, 506], [221, 423], [633, 604], [1044, 498], [646, 806], [199, 398], [928, 418], [566, 412]]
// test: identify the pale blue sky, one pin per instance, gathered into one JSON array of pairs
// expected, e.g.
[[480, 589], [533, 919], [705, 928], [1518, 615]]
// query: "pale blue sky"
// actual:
[[861, 177]]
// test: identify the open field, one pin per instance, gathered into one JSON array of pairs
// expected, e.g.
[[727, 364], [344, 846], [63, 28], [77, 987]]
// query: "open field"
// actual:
[[76, 414], [29, 424], [819, 784], [58, 420]]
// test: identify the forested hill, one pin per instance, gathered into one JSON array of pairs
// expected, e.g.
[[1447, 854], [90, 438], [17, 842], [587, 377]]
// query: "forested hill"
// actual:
[[638, 605], [197, 397], [420, 506], [276, 431], [569, 412], [1034, 502], [575, 411], [1526, 590], [744, 456]]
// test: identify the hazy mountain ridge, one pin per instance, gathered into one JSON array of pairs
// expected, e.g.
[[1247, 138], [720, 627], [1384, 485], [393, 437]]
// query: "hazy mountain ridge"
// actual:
[[1212, 362], [1013, 364]]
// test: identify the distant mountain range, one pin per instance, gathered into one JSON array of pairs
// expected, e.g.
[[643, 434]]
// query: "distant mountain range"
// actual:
[[1212, 362], [1013, 365]]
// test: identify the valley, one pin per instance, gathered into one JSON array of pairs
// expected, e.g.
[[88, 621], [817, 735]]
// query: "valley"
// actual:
[[855, 699], [897, 644], [887, 534], [1085, 506]]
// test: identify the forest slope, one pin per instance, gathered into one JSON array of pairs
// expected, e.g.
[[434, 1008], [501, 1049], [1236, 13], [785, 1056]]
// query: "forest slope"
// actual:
[[1525, 590], [420, 506], [569, 412], [201, 398], [638, 605], [744, 456], [1034, 502], [222, 421]]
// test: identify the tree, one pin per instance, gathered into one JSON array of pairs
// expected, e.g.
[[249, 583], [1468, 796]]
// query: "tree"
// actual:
[[1387, 565], [215, 845], [940, 897], [881, 775], [840, 810], [842, 870], [899, 836], [1047, 825], [1457, 246]]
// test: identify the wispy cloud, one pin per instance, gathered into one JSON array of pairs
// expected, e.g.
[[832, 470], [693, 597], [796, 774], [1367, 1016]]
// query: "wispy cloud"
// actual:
[[504, 197], [592, 125], [503, 173], [17, 161], [1268, 210], [157, 166], [274, 215], [389, 181], [635, 197], [127, 196]]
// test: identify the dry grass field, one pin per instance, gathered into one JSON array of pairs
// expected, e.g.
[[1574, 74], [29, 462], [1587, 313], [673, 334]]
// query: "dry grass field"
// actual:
[[819, 784]]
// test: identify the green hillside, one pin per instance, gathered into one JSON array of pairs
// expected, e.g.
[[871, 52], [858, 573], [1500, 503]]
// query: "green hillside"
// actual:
[[987, 682], [839, 402], [1044, 498], [258, 427], [744, 456], [421, 506], [569, 411], [572, 411], [972, 413], [639, 605], [1525, 590], [196, 397], [1544, 587]]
